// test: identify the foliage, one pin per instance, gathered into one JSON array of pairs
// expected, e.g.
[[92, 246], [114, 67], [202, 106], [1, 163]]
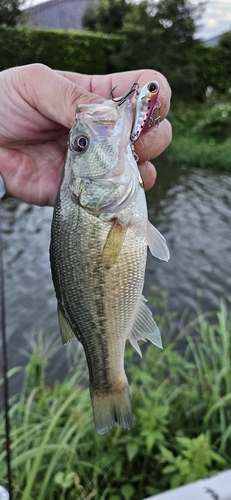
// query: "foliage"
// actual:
[[149, 31], [160, 35], [74, 51], [181, 431], [106, 16], [202, 131], [10, 12], [177, 17], [212, 68], [225, 41]]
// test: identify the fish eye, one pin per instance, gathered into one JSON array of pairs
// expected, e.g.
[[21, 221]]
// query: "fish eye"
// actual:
[[152, 86], [79, 143]]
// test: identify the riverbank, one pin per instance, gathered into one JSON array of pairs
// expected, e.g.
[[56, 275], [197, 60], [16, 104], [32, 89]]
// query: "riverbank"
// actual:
[[202, 133], [181, 430]]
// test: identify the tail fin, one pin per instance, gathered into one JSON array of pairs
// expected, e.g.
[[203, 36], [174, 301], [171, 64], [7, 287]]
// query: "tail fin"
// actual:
[[111, 408]]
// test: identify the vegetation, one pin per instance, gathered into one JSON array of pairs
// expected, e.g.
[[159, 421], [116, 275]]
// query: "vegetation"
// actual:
[[10, 12], [162, 36], [74, 51], [181, 398], [148, 32], [202, 132]]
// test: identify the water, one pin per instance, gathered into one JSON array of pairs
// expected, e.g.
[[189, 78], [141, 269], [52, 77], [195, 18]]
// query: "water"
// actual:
[[191, 207]]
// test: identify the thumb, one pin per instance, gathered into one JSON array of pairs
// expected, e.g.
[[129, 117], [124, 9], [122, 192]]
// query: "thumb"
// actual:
[[53, 95]]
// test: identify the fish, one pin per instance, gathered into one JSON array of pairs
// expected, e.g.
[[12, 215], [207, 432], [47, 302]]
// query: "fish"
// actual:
[[99, 237]]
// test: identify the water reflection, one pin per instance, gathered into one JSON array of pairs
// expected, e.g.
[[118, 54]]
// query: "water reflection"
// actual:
[[194, 214]]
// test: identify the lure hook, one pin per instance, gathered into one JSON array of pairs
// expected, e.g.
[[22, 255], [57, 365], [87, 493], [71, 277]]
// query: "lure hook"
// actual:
[[121, 100], [154, 118]]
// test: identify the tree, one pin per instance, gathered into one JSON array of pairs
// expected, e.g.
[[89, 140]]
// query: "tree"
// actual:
[[9, 12], [106, 16], [177, 20], [158, 35]]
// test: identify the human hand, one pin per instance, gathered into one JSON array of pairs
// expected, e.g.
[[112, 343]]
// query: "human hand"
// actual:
[[38, 108]]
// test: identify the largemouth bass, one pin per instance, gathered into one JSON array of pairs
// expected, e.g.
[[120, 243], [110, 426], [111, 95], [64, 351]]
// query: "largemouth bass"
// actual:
[[99, 237]]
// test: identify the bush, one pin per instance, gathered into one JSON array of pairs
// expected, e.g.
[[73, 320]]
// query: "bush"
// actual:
[[202, 132], [59, 49]]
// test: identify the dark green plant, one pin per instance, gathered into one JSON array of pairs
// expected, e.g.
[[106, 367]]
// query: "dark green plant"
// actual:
[[158, 36], [181, 429], [59, 49], [10, 12], [202, 132], [106, 16]]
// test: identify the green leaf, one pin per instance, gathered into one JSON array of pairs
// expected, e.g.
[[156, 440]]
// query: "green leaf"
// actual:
[[132, 449], [118, 468], [169, 469], [58, 479], [127, 491], [175, 481], [167, 454]]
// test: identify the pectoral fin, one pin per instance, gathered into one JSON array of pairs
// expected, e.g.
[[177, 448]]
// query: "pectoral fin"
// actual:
[[65, 327], [113, 244], [157, 243], [144, 327]]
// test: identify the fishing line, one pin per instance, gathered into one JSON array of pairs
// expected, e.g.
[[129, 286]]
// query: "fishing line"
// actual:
[[4, 355]]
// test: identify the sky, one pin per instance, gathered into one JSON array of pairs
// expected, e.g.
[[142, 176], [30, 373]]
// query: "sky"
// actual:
[[216, 18]]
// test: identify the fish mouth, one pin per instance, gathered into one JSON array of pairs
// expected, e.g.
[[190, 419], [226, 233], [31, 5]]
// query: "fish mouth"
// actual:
[[101, 114], [107, 116]]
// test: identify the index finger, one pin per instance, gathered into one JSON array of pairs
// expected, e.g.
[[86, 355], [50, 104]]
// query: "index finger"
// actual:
[[102, 84]]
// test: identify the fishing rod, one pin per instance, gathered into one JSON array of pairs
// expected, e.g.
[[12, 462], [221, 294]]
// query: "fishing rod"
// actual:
[[4, 348]]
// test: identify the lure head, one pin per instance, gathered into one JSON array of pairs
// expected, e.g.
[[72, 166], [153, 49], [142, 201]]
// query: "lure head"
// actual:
[[146, 103], [152, 88]]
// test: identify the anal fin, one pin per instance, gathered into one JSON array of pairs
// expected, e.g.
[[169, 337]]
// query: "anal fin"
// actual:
[[144, 327], [65, 327]]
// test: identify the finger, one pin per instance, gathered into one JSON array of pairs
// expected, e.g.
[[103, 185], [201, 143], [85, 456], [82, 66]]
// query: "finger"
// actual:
[[102, 84], [53, 95], [148, 174], [153, 142], [56, 96]]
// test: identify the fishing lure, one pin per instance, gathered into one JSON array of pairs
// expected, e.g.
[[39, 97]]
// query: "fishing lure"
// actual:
[[147, 109]]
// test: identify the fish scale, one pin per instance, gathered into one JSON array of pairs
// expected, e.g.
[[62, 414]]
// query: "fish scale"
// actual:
[[99, 239]]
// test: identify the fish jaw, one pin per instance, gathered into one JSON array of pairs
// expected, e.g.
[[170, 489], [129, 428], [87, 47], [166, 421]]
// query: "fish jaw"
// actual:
[[103, 177]]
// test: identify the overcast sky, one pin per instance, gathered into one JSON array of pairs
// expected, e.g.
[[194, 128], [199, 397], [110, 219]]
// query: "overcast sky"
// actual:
[[216, 19]]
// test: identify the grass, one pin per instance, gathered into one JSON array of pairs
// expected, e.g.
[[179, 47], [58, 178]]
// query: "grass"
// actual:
[[182, 420], [202, 133]]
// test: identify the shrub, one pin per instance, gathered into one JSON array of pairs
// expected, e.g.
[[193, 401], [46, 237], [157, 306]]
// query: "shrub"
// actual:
[[59, 49]]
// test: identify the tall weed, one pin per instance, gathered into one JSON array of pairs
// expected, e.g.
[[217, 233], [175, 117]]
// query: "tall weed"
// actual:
[[181, 431], [202, 132]]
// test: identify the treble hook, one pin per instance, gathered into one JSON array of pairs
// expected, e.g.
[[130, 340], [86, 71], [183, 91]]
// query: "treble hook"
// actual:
[[121, 100]]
